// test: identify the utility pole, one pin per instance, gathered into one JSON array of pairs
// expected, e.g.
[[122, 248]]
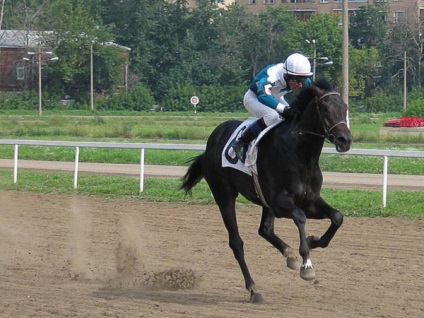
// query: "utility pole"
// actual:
[[315, 59], [404, 82], [40, 103], [91, 78], [2, 12], [345, 54]]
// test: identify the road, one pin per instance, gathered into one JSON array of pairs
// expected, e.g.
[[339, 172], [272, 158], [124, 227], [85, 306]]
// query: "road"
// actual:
[[331, 179]]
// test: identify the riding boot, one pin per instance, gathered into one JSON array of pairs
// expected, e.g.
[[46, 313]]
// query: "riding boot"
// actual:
[[241, 145]]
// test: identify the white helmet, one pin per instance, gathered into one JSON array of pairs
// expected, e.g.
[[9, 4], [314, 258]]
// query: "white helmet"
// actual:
[[298, 65]]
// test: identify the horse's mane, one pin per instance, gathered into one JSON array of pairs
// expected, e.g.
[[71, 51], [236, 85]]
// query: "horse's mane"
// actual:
[[306, 94]]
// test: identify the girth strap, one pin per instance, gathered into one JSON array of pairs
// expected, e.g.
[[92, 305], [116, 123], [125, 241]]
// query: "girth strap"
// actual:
[[259, 190]]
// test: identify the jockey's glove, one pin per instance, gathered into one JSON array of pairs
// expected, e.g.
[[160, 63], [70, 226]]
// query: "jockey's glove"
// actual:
[[290, 113], [281, 108]]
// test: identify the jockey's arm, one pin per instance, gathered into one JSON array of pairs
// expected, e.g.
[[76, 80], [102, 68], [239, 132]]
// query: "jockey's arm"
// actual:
[[263, 91]]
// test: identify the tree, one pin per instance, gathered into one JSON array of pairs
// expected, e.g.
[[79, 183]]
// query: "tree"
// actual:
[[22, 14], [228, 53], [363, 69], [324, 29], [275, 36], [368, 26], [75, 31]]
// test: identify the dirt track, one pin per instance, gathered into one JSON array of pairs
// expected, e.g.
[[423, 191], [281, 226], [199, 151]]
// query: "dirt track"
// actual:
[[67, 256]]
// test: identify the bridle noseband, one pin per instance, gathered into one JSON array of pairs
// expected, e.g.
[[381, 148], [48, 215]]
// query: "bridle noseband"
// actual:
[[327, 130]]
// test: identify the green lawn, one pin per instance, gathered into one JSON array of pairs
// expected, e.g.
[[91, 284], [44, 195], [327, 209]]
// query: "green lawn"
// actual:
[[188, 128]]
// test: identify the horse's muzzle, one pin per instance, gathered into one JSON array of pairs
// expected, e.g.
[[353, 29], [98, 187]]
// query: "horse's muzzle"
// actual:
[[342, 141]]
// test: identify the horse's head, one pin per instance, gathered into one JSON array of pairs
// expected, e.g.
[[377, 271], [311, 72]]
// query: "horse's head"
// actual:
[[325, 103], [332, 112]]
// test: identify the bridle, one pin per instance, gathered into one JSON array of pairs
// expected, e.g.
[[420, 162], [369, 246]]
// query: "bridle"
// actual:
[[327, 129]]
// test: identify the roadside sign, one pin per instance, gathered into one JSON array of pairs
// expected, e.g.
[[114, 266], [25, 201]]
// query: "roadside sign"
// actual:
[[194, 100]]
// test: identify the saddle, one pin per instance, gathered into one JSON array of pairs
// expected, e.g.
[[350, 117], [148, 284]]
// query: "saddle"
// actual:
[[229, 158]]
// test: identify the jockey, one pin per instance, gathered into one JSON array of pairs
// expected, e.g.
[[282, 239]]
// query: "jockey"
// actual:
[[269, 95]]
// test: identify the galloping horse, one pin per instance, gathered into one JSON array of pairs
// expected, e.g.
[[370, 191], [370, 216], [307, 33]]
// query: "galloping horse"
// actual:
[[288, 175]]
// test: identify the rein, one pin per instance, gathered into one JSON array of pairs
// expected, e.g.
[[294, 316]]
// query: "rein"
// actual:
[[326, 129]]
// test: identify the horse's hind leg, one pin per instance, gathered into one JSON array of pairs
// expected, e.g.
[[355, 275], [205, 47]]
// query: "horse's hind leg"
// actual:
[[266, 230], [225, 199], [336, 217]]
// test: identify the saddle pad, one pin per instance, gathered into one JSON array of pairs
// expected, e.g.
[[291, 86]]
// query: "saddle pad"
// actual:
[[229, 158]]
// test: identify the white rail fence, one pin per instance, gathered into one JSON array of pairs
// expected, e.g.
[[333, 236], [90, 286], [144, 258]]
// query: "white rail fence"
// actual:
[[195, 147]]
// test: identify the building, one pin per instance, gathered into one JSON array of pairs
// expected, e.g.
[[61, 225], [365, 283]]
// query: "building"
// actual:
[[14, 48], [20, 54], [398, 10]]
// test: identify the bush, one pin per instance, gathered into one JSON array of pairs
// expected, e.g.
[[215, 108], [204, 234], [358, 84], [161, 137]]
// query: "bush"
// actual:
[[213, 98], [415, 108], [18, 100], [178, 98], [383, 102], [415, 105], [138, 98]]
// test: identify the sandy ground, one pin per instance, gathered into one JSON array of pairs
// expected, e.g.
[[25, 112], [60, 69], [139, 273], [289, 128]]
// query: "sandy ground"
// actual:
[[64, 256]]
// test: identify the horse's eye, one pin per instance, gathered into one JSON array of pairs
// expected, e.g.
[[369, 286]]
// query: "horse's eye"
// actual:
[[325, 110]]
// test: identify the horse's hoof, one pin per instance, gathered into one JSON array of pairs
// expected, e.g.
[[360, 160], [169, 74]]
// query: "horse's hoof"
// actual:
[[307, 273], [293, 263], [312, 241], [256, 298]]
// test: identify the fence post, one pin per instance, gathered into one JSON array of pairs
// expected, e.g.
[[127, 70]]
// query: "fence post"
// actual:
[[15, 165], [76, 167], [142, 170], [385, 168]]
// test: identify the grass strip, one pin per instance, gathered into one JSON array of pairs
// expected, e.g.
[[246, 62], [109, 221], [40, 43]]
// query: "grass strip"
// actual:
[[353, 203]]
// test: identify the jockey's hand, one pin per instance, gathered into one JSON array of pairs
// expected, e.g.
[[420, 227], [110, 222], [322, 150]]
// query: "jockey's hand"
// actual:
[[281, 108], [290, 113]]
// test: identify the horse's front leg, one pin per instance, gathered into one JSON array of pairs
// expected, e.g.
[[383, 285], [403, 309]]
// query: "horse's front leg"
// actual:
[[266, 230], [307, 271], [323, 210], [287, 209]]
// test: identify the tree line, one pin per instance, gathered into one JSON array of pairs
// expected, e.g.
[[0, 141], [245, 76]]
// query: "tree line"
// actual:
[[177, 50]]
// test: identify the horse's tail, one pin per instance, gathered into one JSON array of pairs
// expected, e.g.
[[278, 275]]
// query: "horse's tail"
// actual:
[[194, 173]]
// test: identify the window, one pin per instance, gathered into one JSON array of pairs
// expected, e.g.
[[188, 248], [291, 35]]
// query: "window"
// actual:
[[324, 1], [20, 72], [269, 1], [301, 1], [252, 1], [398, 16], [216, 3], [303, 15]]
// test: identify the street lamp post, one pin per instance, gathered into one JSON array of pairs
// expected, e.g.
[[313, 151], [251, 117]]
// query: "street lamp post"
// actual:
[[40, 61], [324, 59], [314, 56]]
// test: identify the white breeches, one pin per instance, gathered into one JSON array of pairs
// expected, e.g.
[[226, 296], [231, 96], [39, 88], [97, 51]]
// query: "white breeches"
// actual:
[[259, 110]]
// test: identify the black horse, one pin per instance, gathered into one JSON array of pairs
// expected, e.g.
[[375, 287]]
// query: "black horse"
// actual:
[[289, 177]]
